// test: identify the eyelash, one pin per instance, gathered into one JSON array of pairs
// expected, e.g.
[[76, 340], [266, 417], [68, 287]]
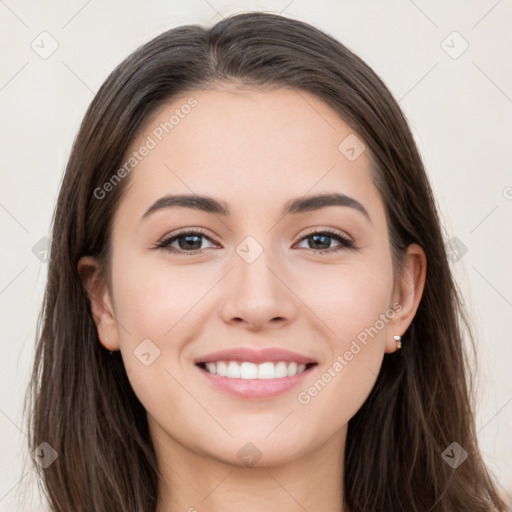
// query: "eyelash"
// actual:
[[345, 243]]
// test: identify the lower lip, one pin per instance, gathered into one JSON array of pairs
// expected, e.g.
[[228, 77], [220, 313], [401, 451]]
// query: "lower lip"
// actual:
[[256, 388]]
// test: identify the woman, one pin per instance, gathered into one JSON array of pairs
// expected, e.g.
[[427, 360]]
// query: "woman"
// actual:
[[310, 356]]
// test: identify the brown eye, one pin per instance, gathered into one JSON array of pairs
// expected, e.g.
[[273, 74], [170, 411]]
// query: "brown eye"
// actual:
[[321, 240], [189, 242]]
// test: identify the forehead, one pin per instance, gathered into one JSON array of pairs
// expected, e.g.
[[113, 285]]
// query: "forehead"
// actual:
[[246, 145]]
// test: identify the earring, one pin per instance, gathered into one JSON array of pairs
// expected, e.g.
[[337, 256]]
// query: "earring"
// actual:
[[111, 351], [398, 340]]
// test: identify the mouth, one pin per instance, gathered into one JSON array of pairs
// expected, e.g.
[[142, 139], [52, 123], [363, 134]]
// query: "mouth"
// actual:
[[252, 371], [250, 374]]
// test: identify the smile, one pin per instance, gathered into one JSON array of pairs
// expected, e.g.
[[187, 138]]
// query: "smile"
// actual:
[[244, 380], [247, 370], [252, 374]]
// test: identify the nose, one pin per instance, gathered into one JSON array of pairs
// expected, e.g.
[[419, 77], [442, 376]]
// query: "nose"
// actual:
[[257, 294]]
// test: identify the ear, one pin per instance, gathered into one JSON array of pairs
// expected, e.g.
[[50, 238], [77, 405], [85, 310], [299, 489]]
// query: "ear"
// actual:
[[101, 303], [407, 293]]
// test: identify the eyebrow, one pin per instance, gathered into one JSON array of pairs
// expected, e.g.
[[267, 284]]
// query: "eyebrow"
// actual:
[[294, 206]]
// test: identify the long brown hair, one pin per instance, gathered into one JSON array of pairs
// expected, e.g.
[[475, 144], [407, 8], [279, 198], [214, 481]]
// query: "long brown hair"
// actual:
[[79, 399]]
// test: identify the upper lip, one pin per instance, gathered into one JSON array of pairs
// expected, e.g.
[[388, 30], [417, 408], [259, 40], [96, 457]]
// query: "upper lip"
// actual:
[[242, 354]]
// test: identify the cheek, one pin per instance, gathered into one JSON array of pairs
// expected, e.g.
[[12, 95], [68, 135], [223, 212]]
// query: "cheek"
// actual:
[[152, 299], [353, 311], [155, 309], [347, 299]]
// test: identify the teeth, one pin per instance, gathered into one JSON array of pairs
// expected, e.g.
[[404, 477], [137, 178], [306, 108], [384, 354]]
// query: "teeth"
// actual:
[[211, 367], [246, 370]]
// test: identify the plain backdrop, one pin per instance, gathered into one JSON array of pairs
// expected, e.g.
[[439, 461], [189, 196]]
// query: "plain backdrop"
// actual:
[[448, 64]]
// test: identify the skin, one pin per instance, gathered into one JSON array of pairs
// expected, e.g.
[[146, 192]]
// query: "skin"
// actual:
[[255, 150]]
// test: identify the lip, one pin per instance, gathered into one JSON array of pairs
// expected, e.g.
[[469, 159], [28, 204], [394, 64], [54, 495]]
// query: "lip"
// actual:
[[256, 389], [241, 354]]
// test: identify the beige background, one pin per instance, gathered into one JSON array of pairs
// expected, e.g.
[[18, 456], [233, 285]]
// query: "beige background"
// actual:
[[459, 104]]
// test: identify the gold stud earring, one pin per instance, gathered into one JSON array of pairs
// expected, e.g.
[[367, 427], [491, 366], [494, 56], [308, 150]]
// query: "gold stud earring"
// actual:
[[398, 340]]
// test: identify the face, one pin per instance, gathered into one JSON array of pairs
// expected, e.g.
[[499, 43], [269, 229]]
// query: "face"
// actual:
[[240, 273]]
